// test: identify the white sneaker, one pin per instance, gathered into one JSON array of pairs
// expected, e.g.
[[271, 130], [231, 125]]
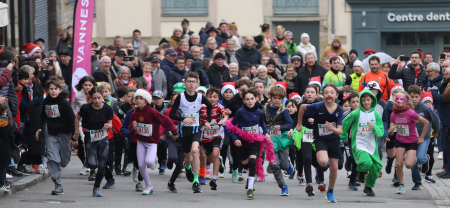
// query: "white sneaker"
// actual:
[[440, 156], [135, 175], [8, 176], [148, 190], [436, 150], [129, 168], [83, 171], [29, 168]]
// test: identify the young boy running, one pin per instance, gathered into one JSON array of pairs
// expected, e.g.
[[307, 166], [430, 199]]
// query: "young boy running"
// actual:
[[354, 105], [188, 105], [366, 126]]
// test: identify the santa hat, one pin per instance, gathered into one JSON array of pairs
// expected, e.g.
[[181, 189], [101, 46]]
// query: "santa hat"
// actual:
[[315, 80], [228, 86], [229, 83], [147, 95], [395, 87], [421, 55], [426, 96], [281, 84], [294, 95], [30, 48], [201, 88]]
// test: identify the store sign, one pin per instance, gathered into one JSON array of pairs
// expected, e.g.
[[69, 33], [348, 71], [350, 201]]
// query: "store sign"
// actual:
[[430, 17]]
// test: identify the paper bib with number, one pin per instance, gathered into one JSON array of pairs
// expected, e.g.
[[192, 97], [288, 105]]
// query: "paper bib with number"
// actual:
[[195, 116], [273, 132], [144, 129], [363, 128], [98, 134], [403, 130], [251, 129], [323, 130], [308, 135], [52, 111], [214, 131]]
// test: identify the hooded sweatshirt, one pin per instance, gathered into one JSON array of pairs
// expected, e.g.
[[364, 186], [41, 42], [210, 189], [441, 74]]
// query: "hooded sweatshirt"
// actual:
[[362, 137], [427, 113], [58, 114], [331, 49]]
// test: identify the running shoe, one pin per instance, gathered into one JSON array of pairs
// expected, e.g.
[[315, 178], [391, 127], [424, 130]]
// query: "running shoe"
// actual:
[[441, 173], [349, 173], [29, 169], [202, 180], [352, 186], [83, 171], [139, 187], [181, 175], [440, 156], [416, 186], [302, 181], [8, 176], [92, 176], [436, 150], [284, 191], [196, 188], [309, 189], [109, 183], [135, 175], [292, 176], [235, 176], [330, 197], [58, 190], [162, 171], [401, 189], [96, 193], [389, 163], [429, 179], [426, 165], [213, 184], [241, 178], [208, 174], [41, 170], [129, 168], [221, 168], [148, 190], [163, 165], [5, 188], [246, 185], [369, 191], [348, 166], [171, 188], [250, 193], [189, 174], [244, 170], [446, 175], [290, 170], [379, 175], [322, 187], [221, 175]]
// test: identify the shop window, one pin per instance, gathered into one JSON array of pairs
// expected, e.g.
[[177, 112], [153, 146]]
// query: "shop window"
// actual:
[[184, 8], [405, 43], [446, 39]]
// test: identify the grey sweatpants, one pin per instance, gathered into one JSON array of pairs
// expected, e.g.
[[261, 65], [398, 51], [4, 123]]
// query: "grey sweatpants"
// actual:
[[282, 164], [58, 154]]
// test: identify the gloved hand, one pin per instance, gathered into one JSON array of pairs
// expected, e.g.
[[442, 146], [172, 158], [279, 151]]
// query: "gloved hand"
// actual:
[[39, 100]]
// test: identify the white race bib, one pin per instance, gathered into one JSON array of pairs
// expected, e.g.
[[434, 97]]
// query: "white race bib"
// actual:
[[144, 129], [273, 132], [52, 111], [251, 129], [403, 130], [308, 135], [195, 116], [98, 134], [323, 130], [364, 128], [213, 132]]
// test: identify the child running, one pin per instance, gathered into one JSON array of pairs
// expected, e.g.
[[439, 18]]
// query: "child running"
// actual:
[[350, 163], [366, 126], [292, 107], [228, 91], [144, 125], [326, 130], [404, 120]]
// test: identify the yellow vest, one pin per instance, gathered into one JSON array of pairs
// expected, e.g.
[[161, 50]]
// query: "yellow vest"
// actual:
[[355, 81]]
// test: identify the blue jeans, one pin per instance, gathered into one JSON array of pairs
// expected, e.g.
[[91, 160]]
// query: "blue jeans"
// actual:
[[441, 138], [421, 159]]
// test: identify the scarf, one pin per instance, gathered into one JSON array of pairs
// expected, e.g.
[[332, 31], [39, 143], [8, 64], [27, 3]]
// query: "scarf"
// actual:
[[399, 110], [219, 68], [253, 109], [110, 81], [283, 57], [272, 74], [131, 83], [272, 106]]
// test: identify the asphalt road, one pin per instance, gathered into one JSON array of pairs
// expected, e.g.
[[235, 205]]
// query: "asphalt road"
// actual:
[[78, 193]]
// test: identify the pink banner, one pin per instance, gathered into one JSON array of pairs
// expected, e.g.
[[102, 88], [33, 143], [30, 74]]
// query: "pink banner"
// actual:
[[82, 38]]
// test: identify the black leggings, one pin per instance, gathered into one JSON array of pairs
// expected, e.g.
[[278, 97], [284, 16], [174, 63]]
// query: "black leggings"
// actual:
[[121, 144], [161, 152], [235, 154], [430, 152], [351, 160], [81, 152], [296, 158], [132, 157], [224, 150], [310, 158], [176, 155], [97, 155]]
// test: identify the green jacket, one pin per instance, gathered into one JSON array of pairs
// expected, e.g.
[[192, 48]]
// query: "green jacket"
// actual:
[[291, 47], [363, 140]]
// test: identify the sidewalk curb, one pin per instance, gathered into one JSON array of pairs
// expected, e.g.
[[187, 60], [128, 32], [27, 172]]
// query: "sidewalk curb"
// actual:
[[24, 183]]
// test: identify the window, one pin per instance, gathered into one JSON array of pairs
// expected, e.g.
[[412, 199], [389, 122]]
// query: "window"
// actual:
[[295, 7], [405, 43], [184, 8]]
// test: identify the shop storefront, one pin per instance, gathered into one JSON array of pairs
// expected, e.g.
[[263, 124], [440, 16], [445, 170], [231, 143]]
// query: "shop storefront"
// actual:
[[400, 27]]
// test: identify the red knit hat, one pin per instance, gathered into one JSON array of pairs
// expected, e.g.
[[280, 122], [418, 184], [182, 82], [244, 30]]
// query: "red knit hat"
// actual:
[[315, 80], [426, 96], [229, 83], [396, 86], [30, 48], [294, 95]]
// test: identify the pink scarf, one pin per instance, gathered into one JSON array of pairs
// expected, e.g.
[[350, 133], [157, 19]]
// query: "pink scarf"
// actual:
[[148, 79]]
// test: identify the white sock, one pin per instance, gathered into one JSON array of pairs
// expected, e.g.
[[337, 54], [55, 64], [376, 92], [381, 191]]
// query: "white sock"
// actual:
[[251, 181], [214, 177]]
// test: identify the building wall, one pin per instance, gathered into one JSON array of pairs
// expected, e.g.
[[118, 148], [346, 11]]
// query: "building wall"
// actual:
[[342, 24]]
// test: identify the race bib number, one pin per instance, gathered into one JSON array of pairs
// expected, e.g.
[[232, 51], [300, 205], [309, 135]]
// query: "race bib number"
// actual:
[[364, 128], [144, 129], [213, 132], [52, 111], [273, 132], [323, 130], [251, 129], [403, 130], [308, 135], [195, 116], [98, 134]]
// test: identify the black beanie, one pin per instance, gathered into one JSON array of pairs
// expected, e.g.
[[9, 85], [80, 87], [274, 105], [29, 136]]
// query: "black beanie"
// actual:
[[219, 55], [353, 51], [271, 61], [163, 40]]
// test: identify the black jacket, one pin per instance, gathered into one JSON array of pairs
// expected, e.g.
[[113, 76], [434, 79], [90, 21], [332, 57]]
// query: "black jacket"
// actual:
[[252, 56], [303, 77], [408, 76], [236, 102], [99, 76], [66, 71], [63, 124], [175, 76], [6, 142], [215, 78], [32, 125]]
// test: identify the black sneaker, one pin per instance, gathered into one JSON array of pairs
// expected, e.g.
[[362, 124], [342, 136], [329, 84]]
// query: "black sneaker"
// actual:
[[189, 174], [388, 168], [58, 190], [416, 186], [426, 165], [13, 171], [369, 191], [213, 184], [429, 179], [196, 188], [92, 176], [171, 187]]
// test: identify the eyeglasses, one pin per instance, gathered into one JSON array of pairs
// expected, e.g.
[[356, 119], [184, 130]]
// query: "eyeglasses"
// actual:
[[191, 82]]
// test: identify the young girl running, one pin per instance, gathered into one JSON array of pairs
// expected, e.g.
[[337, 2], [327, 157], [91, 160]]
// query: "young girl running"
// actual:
[[228, 91], [404, 120], [292, 107], [326, 130], [144, 125], [97, 119]]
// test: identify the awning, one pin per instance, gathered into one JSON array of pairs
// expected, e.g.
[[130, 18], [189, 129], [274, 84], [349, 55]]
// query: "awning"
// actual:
[[3, 14]]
